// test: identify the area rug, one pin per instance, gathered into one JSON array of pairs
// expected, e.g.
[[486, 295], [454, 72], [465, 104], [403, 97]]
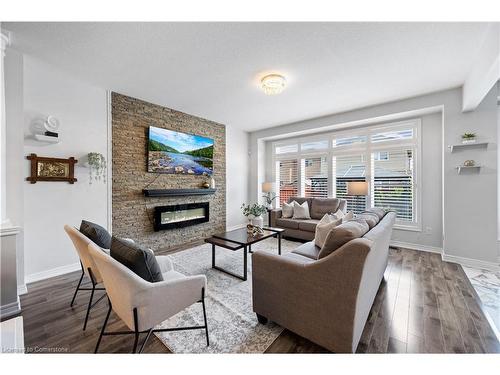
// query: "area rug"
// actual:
[[232, 324]]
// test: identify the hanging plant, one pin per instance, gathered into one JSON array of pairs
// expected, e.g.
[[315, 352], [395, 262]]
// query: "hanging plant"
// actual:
[[97, 166]]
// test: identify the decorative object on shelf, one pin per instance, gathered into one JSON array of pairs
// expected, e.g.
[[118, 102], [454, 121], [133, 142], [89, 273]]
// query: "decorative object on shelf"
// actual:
[[212, 183], [254, 213], [51, 126], [270, 195], [254, 230], [51, 169], [97, 166], [469, 163], [273, 84], [468, 138], [205, 185]]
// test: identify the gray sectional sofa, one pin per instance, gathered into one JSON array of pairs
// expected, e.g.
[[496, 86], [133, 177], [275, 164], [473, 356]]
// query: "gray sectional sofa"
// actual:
[[324, 299], [304, 229]]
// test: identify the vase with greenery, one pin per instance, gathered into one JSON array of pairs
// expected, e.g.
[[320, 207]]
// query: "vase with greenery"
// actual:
[[254, 213], [269, 197], [97, 166], [468, 138]]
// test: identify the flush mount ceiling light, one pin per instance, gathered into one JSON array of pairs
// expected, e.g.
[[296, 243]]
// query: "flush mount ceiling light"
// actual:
[[273, 84]]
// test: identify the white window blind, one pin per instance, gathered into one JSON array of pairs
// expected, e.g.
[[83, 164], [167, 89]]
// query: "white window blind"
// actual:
[[287, 179], [349, 168], [315, 177], [393, 183]]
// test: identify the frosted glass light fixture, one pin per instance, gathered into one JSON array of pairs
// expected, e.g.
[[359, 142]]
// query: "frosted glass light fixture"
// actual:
[[273, 84]]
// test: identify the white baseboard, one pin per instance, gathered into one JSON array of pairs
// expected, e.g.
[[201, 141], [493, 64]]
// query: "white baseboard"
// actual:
[[468, 262], [22, 289], [414, 246], [52, 272], [235, 227], [10, 309]]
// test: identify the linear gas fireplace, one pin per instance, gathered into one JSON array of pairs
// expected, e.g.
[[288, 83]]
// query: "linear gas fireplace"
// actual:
[[180, 215]]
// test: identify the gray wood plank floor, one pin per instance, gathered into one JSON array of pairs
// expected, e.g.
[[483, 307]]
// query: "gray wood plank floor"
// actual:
[[424, 305]]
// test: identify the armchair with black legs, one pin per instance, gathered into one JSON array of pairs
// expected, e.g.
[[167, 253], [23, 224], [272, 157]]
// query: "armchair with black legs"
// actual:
[[141, 304]]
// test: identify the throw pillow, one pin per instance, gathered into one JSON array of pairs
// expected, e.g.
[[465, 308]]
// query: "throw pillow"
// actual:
[[300, 211], [342, 234], [380, 212], [325, 225], [348, 216], [138, 259], [287, 210], [96, 234], [339, 214], [370, 218]]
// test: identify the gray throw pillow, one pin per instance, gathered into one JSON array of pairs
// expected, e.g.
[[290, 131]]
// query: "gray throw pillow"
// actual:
[[370, 217], [96, 234], [380, 212], [342, 234], [137, 258]]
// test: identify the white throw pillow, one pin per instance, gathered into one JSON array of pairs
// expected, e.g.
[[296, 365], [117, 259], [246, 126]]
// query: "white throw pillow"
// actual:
[[348, 216], [287, 210], [339, 214], [301, 211], [325, 225]]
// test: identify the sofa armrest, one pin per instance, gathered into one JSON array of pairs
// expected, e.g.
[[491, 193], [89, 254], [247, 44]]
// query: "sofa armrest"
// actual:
[[275, 214]]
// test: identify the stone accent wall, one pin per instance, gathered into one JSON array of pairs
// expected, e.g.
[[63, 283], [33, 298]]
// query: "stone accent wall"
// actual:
[[132, 212]]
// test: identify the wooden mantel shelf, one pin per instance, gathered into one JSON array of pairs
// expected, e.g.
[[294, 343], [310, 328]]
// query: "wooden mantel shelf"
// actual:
[[176, 192]]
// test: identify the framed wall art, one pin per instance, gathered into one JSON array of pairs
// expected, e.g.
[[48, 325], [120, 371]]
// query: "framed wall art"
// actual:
[[51, 169]]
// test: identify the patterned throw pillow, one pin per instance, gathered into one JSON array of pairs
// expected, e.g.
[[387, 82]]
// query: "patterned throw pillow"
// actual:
[[301, 211]]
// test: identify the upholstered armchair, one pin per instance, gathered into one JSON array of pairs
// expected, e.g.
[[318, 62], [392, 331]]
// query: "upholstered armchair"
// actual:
[[141, 304], [89, 268]]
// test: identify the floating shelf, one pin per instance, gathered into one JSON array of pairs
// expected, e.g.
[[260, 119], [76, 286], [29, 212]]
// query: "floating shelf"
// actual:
[[463, 146], [176, 192], [463, 168], [46, 138]]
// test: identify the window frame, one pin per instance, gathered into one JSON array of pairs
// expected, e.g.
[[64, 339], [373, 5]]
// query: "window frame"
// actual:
[[366, 148]]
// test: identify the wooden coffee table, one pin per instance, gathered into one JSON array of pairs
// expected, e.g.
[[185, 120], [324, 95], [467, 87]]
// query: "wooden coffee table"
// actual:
[[239, 239]]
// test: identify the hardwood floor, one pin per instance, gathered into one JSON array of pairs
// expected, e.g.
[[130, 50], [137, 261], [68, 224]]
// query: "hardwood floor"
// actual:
[[423, 305]]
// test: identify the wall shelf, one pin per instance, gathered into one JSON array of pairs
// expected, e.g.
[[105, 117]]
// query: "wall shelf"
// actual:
[[474, 169], [46, 138], [464, 146], [176, 192]]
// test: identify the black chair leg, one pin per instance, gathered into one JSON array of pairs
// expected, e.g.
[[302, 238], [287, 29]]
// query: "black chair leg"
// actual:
[[136, 330], [77, 288], [88, 308], [204, 314], [145, 340], [103, 328]]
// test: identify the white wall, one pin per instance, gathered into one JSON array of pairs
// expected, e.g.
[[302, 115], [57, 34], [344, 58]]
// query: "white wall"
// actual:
[[81, 110], [465, 198], [237, 160]]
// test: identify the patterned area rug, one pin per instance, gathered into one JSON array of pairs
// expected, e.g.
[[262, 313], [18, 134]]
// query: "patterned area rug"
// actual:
[[232, 324]]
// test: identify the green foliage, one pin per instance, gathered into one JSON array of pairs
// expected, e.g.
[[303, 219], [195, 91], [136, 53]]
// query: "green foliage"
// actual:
[[158, 146], [468, 135], [205, 152], [254, 209]]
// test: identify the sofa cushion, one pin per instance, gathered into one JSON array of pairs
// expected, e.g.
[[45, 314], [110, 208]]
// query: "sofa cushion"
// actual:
[[301, 210], [298, 258], [308, 249], [96, 234], [287, 223], [138, 259], [370, 218], [342, 234], [325, 225], [380, 212], [287, 210], [322, 206], [300, 200], [308, 225]]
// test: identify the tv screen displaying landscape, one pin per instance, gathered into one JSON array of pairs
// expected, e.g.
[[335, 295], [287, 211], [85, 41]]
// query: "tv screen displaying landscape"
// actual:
[[179, 153]]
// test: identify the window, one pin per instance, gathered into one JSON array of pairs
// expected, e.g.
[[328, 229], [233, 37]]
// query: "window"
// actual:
[[383, 155], [315, 177], [345, 169], [393, 183], [287, 179]]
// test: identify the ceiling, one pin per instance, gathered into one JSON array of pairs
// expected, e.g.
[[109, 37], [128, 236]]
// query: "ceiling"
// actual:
[[212, 70]]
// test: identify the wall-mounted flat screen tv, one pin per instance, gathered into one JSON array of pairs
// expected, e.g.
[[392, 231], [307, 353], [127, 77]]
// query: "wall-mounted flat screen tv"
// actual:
[[179, 153]]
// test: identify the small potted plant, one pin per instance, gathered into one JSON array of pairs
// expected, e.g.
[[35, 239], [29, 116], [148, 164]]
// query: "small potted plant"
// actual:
[[254, 213], [468, 138], [269, 197], [97, 166]]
